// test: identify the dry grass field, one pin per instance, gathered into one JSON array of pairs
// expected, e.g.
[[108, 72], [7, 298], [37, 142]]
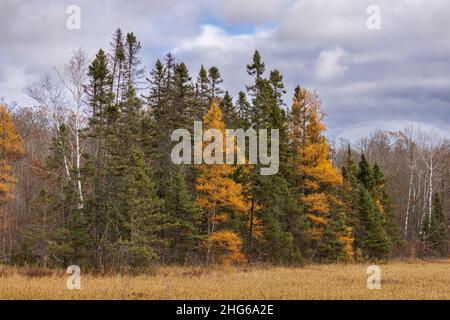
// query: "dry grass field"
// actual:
[[400, 280]]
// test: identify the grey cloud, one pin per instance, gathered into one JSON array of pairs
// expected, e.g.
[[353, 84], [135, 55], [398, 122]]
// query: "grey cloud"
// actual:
[[383, 78]]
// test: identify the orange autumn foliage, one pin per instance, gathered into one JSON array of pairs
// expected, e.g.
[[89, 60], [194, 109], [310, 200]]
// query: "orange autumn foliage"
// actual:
[[11, 149], [226, 247], [218, 193], [318, 178]]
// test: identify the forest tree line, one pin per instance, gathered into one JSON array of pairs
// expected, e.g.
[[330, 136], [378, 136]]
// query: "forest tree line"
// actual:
[[86, 176]]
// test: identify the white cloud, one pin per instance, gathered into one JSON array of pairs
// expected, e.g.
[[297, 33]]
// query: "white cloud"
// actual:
[[329, 64]]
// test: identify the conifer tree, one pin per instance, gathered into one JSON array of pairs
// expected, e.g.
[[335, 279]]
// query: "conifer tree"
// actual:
[[276, 81], [371, 234], [184, 229], [214, 81], [218, 194], [229, 113], [41, 231], [319, 182], [438, 231], [282, 223], [257, 67], [11, 149], [244, 110], [372, 237], [117, 59], [202, 94], [385, 205], [101, 134], [350, 195], [140, 241]]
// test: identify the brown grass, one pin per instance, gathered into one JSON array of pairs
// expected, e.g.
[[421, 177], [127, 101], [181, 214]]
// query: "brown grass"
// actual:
[[400, 280]]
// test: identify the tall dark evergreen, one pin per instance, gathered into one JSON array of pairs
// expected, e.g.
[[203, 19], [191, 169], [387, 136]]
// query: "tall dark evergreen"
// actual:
[[214, 82], [141, 219], [437, 235], [184, 232], [202, 96], [229, 113], [371, 233]]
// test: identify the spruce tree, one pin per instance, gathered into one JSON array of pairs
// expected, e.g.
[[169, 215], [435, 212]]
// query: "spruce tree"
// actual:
[[438, 231], [40, 233], [229, 113], [372, 237], [202, 94], [184, 231], [143, 219], [244, 110], [214, 81], [276, 81]]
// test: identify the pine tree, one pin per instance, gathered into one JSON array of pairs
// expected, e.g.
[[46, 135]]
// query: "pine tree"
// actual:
[[214, 81], [184, 230], [183, 112], [438, 232], [371, 233], [117, 59], [351, 194], [276, 81], [202, 94], [365, 174], [141, 209], [385, 205], [102, 137], [244, 110], [281, 219], [39, 234], [257, 67], [157, 84], [372, 237], [229, 113], [133, 71]]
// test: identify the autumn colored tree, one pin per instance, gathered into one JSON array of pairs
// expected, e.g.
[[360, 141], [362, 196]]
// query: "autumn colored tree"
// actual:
[[11, 149], [319, 181], [225, 247], [218, 194]]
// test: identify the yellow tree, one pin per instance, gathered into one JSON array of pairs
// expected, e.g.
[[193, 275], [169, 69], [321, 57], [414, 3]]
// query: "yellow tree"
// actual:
[[318, 179], [11, 149], [218, 194]]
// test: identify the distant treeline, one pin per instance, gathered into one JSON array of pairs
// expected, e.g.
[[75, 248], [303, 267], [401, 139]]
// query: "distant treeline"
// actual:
[[86, 176]]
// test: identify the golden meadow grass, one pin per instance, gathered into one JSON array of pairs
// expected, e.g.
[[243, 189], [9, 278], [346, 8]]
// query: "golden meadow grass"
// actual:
[[400, 280]]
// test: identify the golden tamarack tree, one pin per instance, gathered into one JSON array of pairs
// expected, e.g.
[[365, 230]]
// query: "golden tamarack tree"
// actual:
[[11, 149], [318, 179], [219, 196]]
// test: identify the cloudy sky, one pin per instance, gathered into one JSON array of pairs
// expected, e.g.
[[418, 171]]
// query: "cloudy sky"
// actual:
[[367, 79]]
